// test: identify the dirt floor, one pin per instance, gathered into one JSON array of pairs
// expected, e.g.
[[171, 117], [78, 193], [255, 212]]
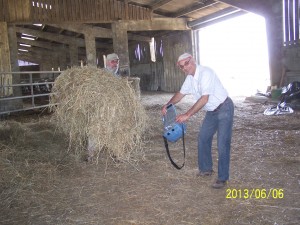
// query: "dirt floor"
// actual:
[[41, 183]]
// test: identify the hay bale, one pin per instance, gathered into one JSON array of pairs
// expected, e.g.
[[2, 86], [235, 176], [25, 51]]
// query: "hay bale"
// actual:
[[135, 84], [96, 105]]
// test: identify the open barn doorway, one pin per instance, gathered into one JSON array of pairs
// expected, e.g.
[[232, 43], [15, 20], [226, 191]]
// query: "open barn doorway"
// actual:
[[237, 50]]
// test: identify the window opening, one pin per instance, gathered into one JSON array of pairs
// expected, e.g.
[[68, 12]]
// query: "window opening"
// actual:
[[290, 22], [152, 49]]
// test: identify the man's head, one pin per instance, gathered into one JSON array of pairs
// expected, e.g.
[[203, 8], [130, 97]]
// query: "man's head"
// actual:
[[112, 62], [186, 63]]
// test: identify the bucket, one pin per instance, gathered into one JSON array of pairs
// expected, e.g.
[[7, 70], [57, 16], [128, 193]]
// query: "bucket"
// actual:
[[275, 94]]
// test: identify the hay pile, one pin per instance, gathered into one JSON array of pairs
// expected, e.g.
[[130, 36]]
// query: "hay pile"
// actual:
[[95, 106]]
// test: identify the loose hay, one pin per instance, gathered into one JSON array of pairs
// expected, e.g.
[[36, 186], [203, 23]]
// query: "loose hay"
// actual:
[[95, 105]]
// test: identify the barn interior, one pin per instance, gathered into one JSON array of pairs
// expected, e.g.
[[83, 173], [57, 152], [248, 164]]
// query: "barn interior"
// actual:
[[42, 183]]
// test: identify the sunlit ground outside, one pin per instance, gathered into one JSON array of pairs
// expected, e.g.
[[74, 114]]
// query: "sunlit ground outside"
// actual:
[[237, 50]]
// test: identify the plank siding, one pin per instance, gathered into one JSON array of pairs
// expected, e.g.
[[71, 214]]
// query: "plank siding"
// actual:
[[56, 9], [173, 46], [5, 63], [106, 9], [162, 75], [70, 11], [126, 9]]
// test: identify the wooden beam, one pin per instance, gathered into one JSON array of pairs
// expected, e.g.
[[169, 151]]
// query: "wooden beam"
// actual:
[[59, 38], [34, 57], [81, 28], [254, 6], [158, 4], [213, 16], [51, 36], [98, 32], [218, 19], [193, 9], [156, 24], [37, 43], [38, 50]]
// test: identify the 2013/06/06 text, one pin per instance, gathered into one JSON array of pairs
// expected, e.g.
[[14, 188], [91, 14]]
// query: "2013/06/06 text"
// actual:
[[255, 193]]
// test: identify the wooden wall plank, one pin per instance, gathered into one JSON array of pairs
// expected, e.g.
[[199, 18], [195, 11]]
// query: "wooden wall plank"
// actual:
[[93, 10], [55, 8], [77, 9], [69, 10], [33, 11], [103, 10], [40, 13], [103, 7], [129, 11], [82, 9], [120, 11], [141, 13], [107, 9], [291, 20], [3, 10], [47, 8], [18, 10], [12, 10], [126, 9], [134, 13], [115, 7], [72, 10], [87, 7], [112, 10], [296, 21], [60, 6], [100, 10]]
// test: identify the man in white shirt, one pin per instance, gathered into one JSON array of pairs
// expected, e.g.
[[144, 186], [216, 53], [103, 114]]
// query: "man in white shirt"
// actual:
[[112, 63], [211, 96]]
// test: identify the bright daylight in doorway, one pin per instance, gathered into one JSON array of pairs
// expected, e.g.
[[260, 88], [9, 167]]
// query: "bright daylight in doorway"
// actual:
[[237, 50]]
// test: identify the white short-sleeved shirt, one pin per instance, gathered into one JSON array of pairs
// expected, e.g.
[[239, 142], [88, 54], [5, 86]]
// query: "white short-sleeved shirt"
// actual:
[[205, 82]]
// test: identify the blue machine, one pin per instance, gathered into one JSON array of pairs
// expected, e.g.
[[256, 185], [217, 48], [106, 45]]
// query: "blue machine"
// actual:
[[173, 131]]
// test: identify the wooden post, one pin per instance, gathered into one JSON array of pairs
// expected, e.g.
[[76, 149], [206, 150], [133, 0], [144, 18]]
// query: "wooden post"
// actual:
[[4, 61], [8, 63], [90, 45], [13, 48], [120, 44]]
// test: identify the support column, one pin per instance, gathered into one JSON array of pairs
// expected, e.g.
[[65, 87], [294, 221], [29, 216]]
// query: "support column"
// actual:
[[9, 63], [90, 45], [120, 44], [4, 48], [13, 46], [274, 28], [5, 61]]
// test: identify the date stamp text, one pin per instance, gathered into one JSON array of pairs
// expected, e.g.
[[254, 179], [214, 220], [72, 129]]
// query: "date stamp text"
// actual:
[[255, 193]]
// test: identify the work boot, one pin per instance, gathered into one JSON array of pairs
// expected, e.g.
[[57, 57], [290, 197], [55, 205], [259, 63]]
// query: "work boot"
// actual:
[[219, 184], [204, 173]]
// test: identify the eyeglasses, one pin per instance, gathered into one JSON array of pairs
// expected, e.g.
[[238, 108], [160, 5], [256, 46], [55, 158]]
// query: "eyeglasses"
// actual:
[[186, 63], [114, 61]]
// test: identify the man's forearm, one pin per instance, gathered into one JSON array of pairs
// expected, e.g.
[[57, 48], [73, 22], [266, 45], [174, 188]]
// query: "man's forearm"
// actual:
[[197, 106]]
